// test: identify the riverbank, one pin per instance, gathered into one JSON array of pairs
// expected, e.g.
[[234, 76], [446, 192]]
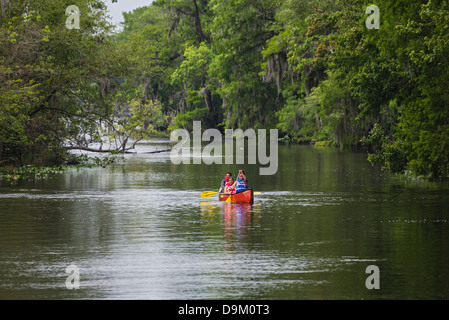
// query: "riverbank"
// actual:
[[34, 173]]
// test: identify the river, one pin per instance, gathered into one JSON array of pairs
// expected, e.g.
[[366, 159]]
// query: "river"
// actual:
[[140, 230]]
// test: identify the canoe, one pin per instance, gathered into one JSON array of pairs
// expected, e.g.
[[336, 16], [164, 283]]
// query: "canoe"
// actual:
[[246, 196]]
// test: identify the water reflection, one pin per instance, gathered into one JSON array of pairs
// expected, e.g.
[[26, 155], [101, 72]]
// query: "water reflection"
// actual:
[[237, 220]]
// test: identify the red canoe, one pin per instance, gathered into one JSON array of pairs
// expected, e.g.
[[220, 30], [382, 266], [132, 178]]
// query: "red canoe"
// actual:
[[245, 196]]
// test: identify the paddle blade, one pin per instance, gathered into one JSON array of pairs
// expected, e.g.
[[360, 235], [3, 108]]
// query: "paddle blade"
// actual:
[[257, 193], [229, 199], [208, 194]]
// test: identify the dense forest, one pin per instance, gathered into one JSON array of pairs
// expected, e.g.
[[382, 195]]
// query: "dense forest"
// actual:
[[314, 69]]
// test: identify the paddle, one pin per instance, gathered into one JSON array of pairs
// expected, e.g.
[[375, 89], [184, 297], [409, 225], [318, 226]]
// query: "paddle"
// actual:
[[208, 194]]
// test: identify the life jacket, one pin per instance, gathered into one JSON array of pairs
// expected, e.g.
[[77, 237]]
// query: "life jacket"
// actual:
[[241, 186], [230, 190]]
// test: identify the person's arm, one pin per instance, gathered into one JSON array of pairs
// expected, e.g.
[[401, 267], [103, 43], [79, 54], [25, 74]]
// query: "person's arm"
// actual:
[[244, 177], [223, 186]]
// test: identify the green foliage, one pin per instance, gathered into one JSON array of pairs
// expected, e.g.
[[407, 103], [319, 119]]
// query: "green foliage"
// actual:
[[54, 82], [384, 151], [324, 144], [36, 173], [423, 128], [137, 121], [185, 120], [309, 68], [241, 30], [393, 77], [193, 71]]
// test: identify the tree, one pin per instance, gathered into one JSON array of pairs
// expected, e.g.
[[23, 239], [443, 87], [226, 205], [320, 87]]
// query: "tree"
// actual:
[[53, 80], [241, 30]]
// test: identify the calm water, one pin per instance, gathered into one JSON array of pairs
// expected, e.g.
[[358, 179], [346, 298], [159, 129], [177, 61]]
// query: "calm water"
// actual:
[[140, 230]]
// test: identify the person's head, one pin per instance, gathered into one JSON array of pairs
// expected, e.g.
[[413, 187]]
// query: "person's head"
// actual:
[[228, 175], [241, 173], [231, 180]]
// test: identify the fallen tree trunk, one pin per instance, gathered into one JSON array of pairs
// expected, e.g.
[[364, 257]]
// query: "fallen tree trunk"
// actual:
[[160, 151], [120, 151]]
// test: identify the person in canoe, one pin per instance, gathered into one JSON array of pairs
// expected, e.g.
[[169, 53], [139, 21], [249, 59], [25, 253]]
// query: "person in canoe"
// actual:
[[241, 184], [229, 186], [224, 182]]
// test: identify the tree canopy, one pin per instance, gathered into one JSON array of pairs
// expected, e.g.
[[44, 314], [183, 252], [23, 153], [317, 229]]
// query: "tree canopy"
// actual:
[[314, 69]]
